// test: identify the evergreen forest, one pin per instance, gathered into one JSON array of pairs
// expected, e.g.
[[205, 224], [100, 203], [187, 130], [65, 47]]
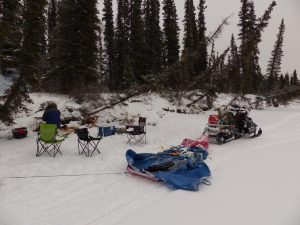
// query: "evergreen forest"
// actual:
[[70, 47]]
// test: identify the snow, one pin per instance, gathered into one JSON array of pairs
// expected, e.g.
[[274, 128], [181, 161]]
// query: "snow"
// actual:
[[254, 181], [5, 83]]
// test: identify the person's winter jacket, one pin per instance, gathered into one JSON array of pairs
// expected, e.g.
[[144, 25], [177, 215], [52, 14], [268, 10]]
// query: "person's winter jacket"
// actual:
[[52, 116]]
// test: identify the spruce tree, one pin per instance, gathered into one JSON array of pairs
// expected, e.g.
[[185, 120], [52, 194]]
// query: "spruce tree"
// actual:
[[100, 57], [191, 55], [190, 39], [274, 66], [250, 37], [281, 82], [170, 32], [137, 41], [248, 45], [233, 68], [211, 61], [124, 75], [89, 32], [109, 37], [287, 80], [78, 46], [10, 35], [67, 60], [153, 37], [10, 42], [294, 81], [52, 23], [202, 43], [33, 51], [16, 97]]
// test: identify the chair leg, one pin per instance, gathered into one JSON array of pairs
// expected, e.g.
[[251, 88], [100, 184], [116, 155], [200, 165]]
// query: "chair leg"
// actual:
[[141, 138], [83, 145], [78, 147], [132, 139], [95, 147], [88, 149], [50, 149], [138, 140], [41, 148], [129, 137], [37, 148], [56, 149]]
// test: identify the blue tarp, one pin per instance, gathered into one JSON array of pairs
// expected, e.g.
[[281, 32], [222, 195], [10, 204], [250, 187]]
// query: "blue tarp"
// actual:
[[179, 167]]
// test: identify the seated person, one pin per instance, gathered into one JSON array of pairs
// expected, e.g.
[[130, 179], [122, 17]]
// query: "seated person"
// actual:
[[52, 115], [226, 118], [240, 118]]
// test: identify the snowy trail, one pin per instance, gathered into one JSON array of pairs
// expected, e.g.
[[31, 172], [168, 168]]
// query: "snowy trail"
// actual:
[[255, 181]]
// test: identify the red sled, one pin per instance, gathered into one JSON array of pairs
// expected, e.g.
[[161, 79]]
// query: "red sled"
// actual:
[[201, 142], [137, 172]]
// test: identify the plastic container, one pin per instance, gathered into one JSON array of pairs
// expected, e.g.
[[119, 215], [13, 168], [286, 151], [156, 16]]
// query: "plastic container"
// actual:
[[19, 133], [106, 131], [213, 119]]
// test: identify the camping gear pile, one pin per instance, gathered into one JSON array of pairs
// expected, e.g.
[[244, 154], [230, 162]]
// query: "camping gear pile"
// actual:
[[231, 124], [180, 167]]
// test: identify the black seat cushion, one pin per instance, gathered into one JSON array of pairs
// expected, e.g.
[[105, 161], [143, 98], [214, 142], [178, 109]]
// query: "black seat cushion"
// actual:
[[83, 134]]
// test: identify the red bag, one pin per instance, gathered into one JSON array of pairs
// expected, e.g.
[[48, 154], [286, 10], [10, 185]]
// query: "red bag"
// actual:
[[213, 119]]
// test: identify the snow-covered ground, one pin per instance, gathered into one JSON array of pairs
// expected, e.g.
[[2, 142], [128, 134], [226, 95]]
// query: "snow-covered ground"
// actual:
[[5, 83], [254, 181]]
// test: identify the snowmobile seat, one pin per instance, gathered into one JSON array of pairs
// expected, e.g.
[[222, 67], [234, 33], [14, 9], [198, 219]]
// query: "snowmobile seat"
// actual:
[[48, 141], [87, 144], [137, 133]]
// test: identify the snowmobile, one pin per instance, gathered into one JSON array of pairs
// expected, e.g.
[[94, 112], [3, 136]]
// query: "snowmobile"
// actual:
[[232, 124]]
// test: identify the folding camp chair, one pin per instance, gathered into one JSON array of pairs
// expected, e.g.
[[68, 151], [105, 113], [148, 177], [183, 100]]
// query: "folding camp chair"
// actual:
[[137, 133], [48, 141], [86, 143]]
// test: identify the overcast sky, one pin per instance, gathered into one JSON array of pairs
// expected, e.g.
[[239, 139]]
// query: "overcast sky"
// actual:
[[287, 9]]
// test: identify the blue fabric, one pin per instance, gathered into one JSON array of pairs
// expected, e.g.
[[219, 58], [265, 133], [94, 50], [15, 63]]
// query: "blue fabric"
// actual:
[[106, 131], [52, 116], [179, 167]]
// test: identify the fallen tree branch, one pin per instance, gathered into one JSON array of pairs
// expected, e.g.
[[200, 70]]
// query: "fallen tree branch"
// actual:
[[112, 104], [217, 33], [196, 100], [281, 96]]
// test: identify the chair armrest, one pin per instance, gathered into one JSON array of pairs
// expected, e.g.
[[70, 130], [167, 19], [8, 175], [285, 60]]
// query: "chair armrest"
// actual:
[[60, 137]]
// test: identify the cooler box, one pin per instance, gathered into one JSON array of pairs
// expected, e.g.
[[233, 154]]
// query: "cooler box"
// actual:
[[106, 131], [19, 133]]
